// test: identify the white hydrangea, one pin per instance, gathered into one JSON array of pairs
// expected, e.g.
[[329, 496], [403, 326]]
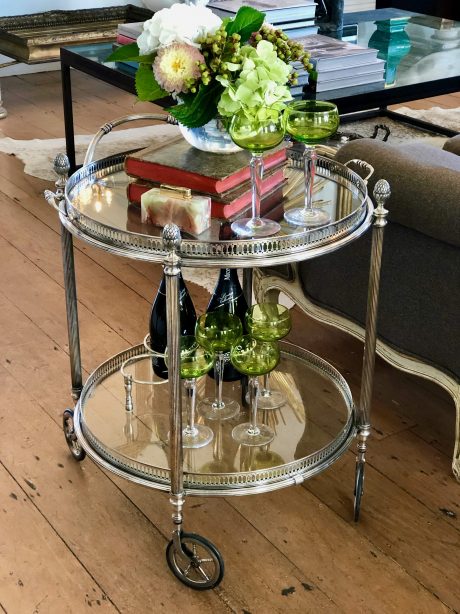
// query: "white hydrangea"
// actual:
[[181, 23]]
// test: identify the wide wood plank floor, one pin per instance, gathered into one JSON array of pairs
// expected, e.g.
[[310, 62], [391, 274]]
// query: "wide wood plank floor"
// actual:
[[74, 538]]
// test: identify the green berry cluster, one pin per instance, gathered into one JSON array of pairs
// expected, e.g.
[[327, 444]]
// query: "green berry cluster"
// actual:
[[218, 49], [287, 49]]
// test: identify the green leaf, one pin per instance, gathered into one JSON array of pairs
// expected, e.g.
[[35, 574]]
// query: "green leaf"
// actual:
[[246, 21], [147, 87], [201, 109], [125, 52]]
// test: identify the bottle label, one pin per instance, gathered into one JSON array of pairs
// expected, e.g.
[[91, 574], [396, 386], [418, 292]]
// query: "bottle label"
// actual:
[[182, 294], [228, 297]]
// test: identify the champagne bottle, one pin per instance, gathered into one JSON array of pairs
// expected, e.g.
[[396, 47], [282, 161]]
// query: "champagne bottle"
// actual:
[[157, 326], [228, 295]]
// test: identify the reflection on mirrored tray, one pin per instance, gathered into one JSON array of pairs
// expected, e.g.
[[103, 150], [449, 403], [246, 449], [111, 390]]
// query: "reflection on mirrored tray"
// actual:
[[314, 414]]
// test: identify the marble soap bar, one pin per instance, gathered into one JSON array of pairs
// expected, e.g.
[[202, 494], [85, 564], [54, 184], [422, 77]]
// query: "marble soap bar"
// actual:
[[164, 205]]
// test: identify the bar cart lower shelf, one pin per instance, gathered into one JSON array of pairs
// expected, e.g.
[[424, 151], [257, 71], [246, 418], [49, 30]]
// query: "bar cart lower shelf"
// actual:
[[127, 433]]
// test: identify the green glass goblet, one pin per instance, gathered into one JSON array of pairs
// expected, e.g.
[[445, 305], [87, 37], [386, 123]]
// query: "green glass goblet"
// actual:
[[257, 134], [195, 361], [254, 358], [218, 331], [269, 322], [310, 122]]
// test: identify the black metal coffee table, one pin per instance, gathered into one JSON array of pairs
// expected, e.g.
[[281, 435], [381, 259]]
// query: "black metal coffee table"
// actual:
[[429, 67]]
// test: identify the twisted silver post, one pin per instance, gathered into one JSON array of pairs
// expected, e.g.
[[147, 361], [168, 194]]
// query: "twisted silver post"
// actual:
[[171, 242], [381, 194], [61, 167]]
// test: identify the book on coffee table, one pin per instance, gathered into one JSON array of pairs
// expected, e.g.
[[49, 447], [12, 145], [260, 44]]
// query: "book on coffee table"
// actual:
[[226, 204], [276, 11], [178, 163], [328, 53]]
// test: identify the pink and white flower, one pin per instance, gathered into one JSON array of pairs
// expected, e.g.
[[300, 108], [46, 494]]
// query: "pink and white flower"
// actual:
[[175, 65]]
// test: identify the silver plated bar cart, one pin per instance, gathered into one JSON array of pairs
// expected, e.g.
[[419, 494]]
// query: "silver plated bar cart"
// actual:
[[134, 428]]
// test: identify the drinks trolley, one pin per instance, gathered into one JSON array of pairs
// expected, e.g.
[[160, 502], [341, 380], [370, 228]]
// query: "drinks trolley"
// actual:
[[133, 428]]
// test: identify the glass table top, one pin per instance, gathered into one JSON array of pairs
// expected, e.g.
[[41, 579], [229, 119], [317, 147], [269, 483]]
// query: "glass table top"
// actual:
[[417, 49]]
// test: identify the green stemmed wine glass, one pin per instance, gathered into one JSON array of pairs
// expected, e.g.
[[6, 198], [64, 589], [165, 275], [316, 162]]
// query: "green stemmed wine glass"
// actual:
[[257, 134], [218, 331], [195, 361], [254, 358], [269, 322], [310, 122]]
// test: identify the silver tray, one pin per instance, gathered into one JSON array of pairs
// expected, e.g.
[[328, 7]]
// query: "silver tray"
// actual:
[[114, 224], [312, 430]]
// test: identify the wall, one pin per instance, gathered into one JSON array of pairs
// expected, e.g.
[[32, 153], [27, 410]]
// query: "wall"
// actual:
[[24, 7]]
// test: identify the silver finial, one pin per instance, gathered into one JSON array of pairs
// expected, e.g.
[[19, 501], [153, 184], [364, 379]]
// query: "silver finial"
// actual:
[[382, 191], [381, 194], [61, 165], [171, 237]]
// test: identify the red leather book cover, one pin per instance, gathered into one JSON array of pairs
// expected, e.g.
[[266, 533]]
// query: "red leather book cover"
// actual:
[[125, 40], [222, 205], [178, 163]]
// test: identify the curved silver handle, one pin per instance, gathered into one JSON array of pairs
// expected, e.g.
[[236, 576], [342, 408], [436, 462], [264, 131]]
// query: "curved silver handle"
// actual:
[[50, 198], [106, 128], [364, 166]]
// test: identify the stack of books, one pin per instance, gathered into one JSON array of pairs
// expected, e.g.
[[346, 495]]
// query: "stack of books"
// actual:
[[225, 178], [338, 64], [295, 17], [127, 33]]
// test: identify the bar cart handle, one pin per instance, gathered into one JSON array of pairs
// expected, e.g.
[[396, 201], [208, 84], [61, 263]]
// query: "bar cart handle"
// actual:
[[362, 166], [109, 126]]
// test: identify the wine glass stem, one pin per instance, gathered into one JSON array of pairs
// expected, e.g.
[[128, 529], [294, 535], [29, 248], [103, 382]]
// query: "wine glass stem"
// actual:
[[190, 387], [266, 388], [218, 377], [254, 395], [309, 162], [257, 172]]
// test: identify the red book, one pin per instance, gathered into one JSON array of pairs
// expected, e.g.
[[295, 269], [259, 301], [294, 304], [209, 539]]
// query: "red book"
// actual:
[[125, 40], [178, 163], [222, 205]]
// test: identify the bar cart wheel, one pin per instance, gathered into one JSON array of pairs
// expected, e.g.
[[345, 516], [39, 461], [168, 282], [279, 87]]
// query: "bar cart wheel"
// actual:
[[359, 488], [203, 566], [69, 433]]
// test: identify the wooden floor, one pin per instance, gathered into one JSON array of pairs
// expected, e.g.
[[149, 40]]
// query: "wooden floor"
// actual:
[[74, 538]]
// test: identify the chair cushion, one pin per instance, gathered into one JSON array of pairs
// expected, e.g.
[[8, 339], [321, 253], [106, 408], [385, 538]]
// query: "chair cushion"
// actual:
[[419, 292], [424, 180]]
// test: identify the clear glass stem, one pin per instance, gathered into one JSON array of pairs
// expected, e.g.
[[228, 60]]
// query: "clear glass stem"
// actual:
[[190, 387], [309, 165], [257, 172], [218, 378], [266, 388], [254, 394]]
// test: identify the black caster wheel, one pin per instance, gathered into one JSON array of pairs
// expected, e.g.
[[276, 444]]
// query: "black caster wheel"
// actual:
[[69, 433], [359, 489], [202, 568]]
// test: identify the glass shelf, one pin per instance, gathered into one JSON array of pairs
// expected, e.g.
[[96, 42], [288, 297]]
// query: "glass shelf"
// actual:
[[312, 429], [97, 210]]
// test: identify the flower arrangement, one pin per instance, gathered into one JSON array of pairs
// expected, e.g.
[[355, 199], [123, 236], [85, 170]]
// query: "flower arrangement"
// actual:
[[211, 66]]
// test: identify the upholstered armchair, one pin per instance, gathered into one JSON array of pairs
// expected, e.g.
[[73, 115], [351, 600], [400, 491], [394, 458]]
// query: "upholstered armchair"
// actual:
[[419, 310]]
